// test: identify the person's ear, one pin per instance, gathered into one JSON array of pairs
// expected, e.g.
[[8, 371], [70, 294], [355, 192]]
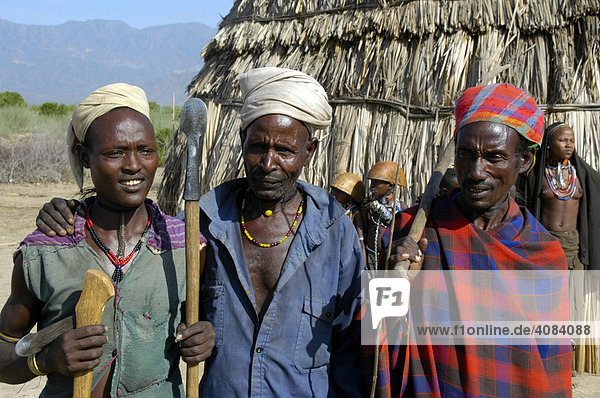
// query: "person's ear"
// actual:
[[311, 147], [526, 160], [83, 154]]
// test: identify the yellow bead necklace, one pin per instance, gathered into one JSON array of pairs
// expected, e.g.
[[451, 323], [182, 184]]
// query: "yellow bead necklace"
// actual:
[[280, 241]]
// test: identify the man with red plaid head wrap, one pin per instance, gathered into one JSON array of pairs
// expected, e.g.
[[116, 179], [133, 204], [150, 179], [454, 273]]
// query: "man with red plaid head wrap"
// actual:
[[482, 229]]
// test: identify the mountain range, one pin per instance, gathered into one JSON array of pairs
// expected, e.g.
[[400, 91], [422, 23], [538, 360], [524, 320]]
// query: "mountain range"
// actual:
[[64, 63]]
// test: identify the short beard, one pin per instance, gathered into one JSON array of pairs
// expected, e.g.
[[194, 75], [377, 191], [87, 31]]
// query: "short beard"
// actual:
[[278, 196]]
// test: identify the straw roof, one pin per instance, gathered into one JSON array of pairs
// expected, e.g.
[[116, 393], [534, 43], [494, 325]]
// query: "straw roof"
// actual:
[[393, 70]]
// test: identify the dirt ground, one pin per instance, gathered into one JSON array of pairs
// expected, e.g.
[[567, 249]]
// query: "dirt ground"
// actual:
[[19, 205]]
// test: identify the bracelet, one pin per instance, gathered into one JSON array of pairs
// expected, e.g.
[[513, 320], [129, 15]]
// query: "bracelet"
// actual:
[[33, 366], [9, 339]]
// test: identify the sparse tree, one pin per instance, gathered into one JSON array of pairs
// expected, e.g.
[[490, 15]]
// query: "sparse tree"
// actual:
[[10, 98]]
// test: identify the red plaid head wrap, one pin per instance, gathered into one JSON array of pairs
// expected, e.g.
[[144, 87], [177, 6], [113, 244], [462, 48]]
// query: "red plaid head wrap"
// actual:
[[501, 103]]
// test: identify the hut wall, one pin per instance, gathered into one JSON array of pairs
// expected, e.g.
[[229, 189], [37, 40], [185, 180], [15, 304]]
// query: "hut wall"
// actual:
[[393, 71]]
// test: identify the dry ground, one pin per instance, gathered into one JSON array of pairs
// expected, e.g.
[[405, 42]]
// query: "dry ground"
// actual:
[[19, 205]]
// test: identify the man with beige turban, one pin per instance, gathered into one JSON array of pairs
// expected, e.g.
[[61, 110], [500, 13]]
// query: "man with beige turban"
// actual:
[[283, 262], [121, 233]]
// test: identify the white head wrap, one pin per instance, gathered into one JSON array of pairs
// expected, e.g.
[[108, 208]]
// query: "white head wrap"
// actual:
[[286, 92], [99, 103]]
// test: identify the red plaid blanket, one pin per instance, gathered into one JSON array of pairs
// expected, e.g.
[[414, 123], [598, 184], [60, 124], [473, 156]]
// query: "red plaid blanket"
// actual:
[[519, 243]]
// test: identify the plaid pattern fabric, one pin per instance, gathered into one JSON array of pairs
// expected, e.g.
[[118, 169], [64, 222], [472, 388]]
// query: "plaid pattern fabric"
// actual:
[[519, 243], [501, 103]]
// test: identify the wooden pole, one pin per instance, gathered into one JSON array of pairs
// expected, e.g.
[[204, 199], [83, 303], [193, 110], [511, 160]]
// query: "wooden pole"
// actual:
[[418, 225], [392, 225], [192, 301], [193, 124]]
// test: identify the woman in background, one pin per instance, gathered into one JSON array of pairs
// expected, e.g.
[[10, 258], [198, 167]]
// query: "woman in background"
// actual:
[[559, 192]]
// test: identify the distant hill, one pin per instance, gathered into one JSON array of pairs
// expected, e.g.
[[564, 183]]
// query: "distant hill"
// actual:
[[64, 63]]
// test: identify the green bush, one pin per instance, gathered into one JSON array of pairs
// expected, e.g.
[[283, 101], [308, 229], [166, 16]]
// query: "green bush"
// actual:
[[162, 120], [154, 107], [163, 139], [18, 121], [9, 98], [54, 109], [169, 111], [32, 140]]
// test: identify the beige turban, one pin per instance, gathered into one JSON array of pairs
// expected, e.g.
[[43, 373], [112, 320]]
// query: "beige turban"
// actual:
[[99, 103], [286, 92]]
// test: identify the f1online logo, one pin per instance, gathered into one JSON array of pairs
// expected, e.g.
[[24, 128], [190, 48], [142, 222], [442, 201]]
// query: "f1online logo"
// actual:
[[388, 298]]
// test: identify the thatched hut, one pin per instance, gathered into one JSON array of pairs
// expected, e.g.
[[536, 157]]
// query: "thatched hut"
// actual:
[[393, 70]]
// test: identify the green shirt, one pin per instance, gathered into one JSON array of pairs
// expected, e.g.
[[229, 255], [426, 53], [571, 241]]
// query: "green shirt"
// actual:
[[141, 318]]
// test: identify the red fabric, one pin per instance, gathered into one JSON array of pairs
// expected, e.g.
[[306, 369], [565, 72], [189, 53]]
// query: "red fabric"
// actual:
[[501, 103], [519, 243]]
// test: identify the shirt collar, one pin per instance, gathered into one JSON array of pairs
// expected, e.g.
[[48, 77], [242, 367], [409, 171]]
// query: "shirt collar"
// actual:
[[221, 206]]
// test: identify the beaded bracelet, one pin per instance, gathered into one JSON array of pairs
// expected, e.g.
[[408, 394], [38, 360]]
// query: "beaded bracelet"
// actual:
[[33, 366]]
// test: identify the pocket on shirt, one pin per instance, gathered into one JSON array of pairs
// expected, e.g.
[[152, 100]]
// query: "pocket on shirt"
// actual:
[[313, 345], [149, 349], [213, 308]]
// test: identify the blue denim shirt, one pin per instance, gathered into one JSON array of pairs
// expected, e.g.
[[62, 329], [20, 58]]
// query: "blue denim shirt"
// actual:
[[304, 346]]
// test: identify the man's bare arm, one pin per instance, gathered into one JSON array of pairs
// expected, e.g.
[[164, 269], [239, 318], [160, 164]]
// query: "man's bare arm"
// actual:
[[75, 350], [16, 320]]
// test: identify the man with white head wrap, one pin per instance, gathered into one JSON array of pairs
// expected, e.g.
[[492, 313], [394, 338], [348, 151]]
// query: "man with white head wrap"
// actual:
[[284, 91], [120, 232], [283, 262]]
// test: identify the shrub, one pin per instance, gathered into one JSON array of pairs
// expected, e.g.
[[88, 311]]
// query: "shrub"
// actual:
[[23, 121], [9, 98], [162, 120], [54, 109], [154, 107], [163, 139], [168, 110]]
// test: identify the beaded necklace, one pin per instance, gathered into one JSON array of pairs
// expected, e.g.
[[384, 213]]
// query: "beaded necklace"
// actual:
[[118, 262], [280, 241], [564, 189]]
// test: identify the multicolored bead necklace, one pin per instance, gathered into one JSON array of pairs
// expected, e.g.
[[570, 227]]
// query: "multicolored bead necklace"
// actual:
[[280, 241], [564, 189], [117, 262]]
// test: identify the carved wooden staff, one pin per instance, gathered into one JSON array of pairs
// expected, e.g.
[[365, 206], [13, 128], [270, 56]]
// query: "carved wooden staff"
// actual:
[[193, 124], [418, 225], [97, 290], [416, 231]]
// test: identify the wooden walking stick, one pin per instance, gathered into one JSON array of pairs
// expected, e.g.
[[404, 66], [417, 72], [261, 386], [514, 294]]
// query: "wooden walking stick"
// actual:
[[389, 251], [418, 225], [97, 290], [416, 231], [193, 124]]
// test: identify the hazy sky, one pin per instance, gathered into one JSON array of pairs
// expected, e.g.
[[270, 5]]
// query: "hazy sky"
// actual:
[[136, 13]]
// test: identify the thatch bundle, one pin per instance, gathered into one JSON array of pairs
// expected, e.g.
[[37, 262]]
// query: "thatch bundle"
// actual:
[[393, 70]]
